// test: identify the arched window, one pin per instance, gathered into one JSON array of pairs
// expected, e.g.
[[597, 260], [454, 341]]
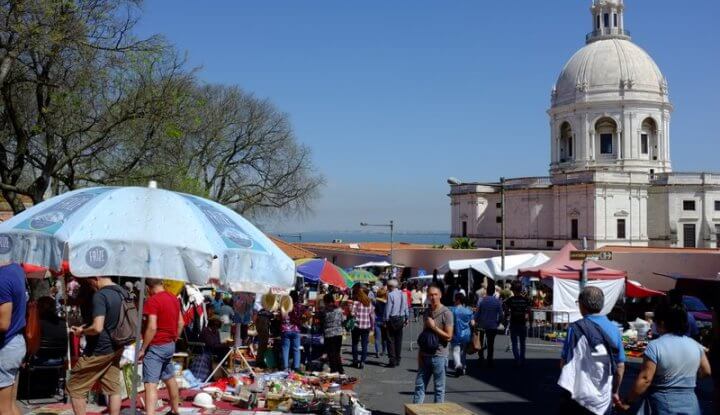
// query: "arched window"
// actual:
[[606, 133], [648, 139], [566, 142]]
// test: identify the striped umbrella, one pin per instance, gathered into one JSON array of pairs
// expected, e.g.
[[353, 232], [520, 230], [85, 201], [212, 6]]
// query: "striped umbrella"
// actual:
[[321, 269]]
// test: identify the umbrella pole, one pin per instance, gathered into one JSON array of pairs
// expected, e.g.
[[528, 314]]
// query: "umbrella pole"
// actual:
[[138, 338]]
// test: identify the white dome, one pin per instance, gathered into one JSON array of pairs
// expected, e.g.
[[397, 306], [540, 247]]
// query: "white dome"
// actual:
[[609, 66]]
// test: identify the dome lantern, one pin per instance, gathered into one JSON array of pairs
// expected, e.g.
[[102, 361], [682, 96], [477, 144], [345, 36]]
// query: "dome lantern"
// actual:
[[607, 21]]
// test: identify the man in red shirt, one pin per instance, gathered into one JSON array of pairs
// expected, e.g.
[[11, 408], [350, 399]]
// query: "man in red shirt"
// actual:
[[163, 325]]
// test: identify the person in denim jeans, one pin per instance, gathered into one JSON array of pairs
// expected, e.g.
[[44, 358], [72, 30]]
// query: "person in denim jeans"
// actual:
[[292, 312], [380, 335], [518, 309], [439, 320], [163, 325], [364, 313]]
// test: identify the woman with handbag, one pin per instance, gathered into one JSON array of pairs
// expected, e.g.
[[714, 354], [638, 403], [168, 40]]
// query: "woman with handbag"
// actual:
[[292, 314], [364, 314], [463, 321]]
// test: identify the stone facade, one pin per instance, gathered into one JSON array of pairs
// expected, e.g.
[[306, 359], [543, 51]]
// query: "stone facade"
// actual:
[[611, 177]]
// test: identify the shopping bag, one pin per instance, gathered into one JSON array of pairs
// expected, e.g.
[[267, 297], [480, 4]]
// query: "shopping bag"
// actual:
[[474, 344], [32, 328]]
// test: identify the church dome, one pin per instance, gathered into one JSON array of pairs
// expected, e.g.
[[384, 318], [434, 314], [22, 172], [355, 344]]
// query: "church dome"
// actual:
[[609, 66]]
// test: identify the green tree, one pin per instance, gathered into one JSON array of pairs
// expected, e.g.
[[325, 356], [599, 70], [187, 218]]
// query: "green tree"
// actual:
[[242, 152], [73, 82], [462, 243], [84, 102]]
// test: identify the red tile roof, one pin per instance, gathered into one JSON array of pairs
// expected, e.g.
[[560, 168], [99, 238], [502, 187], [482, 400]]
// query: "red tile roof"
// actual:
[[292, 250], [374, 248]]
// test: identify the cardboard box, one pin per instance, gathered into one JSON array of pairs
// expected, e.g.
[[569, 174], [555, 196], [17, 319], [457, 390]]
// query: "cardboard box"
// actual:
[[436, 409]]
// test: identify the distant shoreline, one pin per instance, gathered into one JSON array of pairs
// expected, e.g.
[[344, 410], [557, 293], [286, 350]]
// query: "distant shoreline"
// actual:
[[431, 238]]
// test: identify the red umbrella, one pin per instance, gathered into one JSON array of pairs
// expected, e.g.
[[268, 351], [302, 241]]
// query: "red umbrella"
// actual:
[[321, 270], [37, 271], [633, 289]]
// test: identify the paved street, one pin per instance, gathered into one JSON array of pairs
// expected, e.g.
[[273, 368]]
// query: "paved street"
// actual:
[[503, 389]]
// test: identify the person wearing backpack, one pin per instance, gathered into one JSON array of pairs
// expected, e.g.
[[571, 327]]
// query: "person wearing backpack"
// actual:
[[163, 325], [100, 361], [433, 343]]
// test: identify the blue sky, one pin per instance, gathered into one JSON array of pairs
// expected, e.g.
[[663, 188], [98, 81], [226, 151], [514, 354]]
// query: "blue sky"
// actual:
[[393, 97]]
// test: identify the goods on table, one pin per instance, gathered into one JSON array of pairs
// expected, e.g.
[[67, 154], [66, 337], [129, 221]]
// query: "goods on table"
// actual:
[[633, 347], [327, 393], [555, 336]]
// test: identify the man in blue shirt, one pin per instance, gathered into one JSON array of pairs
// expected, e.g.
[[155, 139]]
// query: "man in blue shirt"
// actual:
[[13, 300], [591, 302], [396, 317]]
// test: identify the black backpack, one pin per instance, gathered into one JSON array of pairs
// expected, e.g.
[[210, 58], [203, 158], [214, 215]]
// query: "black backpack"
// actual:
[[428, 342], [126, 328]]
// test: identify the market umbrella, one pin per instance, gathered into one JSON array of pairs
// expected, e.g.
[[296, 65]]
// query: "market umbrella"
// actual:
[[361, 276], [144, 232], [315, 270]]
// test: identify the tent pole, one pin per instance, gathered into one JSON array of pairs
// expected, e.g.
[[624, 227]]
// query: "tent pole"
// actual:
[[138, 337], [584, 272]]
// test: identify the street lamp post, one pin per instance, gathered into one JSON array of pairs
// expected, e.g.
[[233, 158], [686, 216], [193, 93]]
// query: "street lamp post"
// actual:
[[390, 225], [455, 182]]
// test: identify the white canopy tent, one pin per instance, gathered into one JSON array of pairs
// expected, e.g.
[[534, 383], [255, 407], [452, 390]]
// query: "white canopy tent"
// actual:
[[380, 264], [491, 267]]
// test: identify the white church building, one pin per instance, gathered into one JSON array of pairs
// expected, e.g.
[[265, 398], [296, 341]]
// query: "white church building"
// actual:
[[611, 178]]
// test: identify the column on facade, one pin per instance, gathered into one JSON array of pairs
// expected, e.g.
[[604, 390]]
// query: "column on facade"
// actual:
[[631, 136], [588, 137]]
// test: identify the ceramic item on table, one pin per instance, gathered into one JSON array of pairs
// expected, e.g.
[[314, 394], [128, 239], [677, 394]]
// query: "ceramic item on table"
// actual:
[[204, 400]]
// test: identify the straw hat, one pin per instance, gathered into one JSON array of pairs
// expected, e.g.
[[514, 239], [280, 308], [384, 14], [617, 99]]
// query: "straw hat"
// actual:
[[269, 302], [286, 304]]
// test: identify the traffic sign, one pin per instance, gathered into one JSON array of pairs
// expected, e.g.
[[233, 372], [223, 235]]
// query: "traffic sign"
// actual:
[[582, 255]]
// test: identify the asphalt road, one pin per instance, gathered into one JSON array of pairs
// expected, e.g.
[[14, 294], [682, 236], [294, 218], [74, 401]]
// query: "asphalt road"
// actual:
[[503, 389]]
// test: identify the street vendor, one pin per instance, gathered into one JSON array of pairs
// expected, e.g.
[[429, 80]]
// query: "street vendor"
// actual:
[[210, 336], [263, 325]]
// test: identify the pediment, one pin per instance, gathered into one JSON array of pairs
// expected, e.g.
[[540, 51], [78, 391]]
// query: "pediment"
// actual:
[[622, 214]]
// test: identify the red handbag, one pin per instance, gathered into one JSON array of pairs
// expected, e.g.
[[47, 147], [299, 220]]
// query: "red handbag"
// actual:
[[32, 328]]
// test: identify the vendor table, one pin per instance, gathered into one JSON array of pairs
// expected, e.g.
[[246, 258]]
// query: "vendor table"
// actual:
[[436, 409]]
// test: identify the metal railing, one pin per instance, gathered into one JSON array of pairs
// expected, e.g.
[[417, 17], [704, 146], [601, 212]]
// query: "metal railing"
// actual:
[[607, 31], [549, 328]]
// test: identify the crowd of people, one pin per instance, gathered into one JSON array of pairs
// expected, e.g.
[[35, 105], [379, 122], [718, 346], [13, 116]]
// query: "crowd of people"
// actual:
[[304, 330]]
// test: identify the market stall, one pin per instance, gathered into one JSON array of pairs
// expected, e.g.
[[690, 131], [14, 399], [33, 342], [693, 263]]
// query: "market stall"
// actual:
[[144, 232], [563, 275]]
